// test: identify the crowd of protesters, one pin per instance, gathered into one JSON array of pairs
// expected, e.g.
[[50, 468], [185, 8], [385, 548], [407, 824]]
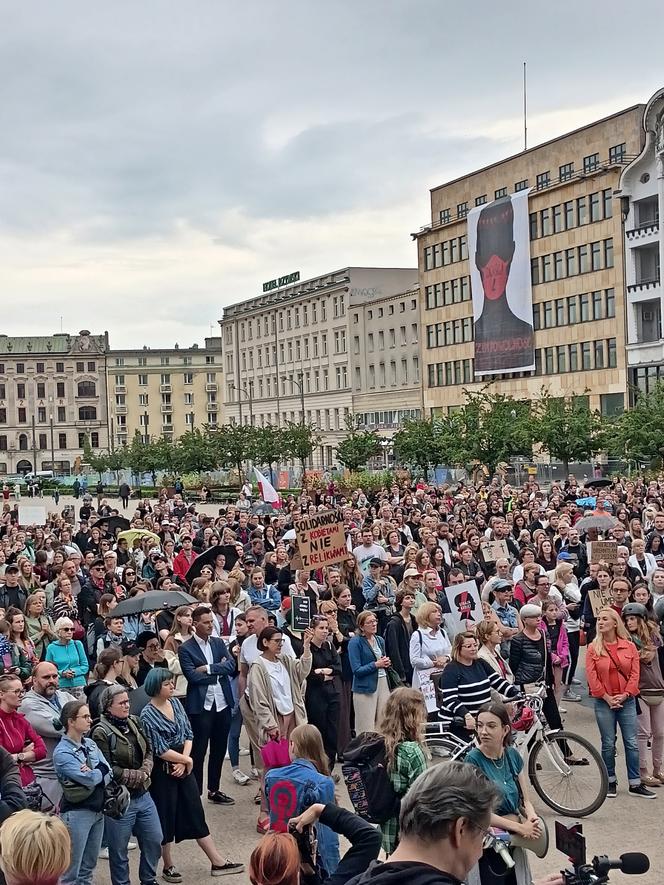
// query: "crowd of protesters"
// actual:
[[154, 700]]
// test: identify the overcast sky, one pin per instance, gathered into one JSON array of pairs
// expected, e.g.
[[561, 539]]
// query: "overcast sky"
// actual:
[[161, 159]]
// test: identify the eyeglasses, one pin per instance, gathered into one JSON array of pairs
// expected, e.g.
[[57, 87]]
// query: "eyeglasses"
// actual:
[[66, 629], [123, 703], [86, 716], [279, 641]]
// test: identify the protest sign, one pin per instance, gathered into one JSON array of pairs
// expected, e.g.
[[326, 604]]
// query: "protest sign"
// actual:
[[603, 551], [301, 609], [321, 539], [493, 550], [599, 599], [427, 688], [465, 606], [31, 514]]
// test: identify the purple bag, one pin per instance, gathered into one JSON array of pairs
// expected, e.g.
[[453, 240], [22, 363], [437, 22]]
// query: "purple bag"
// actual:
[[275, 754]]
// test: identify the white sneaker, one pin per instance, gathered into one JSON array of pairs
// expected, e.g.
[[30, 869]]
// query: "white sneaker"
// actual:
[[244, 751], [130, 845], [254, 775], [240, 777], [103, 854]]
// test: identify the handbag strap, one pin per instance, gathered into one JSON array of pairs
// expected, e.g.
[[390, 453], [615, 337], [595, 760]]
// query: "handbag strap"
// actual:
[[616, 664]]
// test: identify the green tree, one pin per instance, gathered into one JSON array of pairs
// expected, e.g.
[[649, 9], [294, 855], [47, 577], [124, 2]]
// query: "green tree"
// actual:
[[299, 442], [117, 459], [232, 444], [418, 444], [639, 431], [359, 446], [97, 460], [492, 427], [195, 452], [145, 457], [567, 429], [269, 445]]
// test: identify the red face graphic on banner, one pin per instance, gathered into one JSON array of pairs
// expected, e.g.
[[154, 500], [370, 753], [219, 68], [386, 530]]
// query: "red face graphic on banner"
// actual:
[[494, 277]]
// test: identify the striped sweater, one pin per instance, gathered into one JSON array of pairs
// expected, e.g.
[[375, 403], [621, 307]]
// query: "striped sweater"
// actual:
[[466, 688]]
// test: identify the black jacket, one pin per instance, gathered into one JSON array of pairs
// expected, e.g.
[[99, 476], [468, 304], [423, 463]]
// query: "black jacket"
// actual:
[[397, 873], [527, 661], [397, 646], [364, 839], [12, 797]]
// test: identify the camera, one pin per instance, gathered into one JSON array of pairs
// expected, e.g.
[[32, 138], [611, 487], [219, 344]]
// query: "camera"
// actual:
[[571, 841]]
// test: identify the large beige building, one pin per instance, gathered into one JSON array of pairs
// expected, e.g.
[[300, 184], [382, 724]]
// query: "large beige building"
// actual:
[[53, 395], [164, 391], [576, 251], [323, 348]]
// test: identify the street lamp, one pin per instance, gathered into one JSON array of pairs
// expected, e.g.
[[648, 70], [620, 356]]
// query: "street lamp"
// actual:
[[300, 385], [249, 397]]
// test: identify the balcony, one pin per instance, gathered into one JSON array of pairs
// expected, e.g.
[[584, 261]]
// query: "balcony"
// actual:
[[120, 410], [120, 388], [644, 233], [644, 286], [211, 388], [166, 409], [165, 388]]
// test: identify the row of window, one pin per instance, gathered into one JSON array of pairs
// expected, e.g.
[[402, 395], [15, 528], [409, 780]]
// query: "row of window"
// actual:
[[324, 419], [447, 252], [380, 311], [589, 209], [392, 418], [376, 341], [40, 368], [83, 389], [450, 292], [450, 332], [564, 358], [85, 413], [165, 378], [591, 163], [43, 443], [164, 361], [572, 262], [387, 377], [599, 305], [291, 318]]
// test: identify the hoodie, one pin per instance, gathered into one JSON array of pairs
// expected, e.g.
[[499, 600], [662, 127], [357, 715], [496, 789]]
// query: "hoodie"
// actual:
[[408, 871]]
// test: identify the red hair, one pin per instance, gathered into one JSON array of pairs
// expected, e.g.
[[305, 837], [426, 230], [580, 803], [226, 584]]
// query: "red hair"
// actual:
[[275, 861]]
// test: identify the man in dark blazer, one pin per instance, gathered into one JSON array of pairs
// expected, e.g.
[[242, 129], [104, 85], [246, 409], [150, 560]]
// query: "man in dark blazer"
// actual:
[[207, 665]]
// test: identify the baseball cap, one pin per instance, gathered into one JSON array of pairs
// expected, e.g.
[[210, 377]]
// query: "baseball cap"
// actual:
[[500, 585], [376, 563], [411, 573], [530, 611]]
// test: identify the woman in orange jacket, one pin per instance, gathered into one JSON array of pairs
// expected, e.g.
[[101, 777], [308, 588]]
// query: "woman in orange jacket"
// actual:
[[612, 669]]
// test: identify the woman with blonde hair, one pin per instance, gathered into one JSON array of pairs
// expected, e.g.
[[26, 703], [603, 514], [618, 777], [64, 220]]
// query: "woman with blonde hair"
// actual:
[[308, 775], [402, 726], [612, 669], [181, 630], [239, 597], [430, 647], [489, 637], [35, 848]]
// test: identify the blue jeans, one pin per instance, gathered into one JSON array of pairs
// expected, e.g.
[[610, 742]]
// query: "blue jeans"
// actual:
[[85, 831], [608, 721], [142, 819], [234, 739]]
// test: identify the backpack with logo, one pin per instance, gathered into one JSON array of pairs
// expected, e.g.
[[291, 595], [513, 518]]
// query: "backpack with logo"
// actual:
[[367, 779]]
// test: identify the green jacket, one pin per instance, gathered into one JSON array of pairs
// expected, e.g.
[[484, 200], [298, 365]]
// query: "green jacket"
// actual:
[[18, 660], [128, 768]]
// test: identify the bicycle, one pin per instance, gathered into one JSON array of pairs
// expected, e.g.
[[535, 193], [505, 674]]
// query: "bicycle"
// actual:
[[574, 790]]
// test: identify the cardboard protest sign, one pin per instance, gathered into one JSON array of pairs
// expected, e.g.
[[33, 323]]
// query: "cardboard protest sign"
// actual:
[[427, 688], [321, 539], [603, 551], [301, 609], [31, 514], [465, 605], [599, 599], [493, 550]]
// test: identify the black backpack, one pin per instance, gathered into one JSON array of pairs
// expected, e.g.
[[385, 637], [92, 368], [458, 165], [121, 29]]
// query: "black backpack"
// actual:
[[367, 779]]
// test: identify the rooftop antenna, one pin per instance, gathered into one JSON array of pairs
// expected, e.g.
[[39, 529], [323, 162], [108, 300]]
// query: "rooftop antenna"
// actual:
[[525, 111]]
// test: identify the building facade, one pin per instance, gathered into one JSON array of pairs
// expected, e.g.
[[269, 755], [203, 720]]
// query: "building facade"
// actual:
[[53, 394], [642, 195], [288, 355], [164, 391], [576, 254]]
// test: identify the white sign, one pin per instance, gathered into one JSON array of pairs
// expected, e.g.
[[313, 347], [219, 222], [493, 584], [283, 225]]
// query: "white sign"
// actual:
[[428, 689], [465, 606], [31, 514]]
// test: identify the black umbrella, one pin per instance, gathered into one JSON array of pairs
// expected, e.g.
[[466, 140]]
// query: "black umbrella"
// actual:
[[114, 523], [603, 522], [599, 483], [208, 558], [152, 601]]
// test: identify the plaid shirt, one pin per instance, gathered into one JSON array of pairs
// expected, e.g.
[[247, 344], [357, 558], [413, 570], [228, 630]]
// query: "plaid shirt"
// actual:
[[410, 762]]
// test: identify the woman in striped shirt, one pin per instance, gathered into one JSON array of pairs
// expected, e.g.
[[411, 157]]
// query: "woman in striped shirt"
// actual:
[[466, 685]]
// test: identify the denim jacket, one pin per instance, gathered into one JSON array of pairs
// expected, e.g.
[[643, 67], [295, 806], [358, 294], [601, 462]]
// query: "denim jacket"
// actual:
[[295, 787]]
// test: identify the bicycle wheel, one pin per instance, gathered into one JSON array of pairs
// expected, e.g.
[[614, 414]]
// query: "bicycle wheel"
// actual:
[[572, 790], [443, 748]]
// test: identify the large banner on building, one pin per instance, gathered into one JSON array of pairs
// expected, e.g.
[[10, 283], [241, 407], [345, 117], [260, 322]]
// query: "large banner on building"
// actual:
[[499, 253]]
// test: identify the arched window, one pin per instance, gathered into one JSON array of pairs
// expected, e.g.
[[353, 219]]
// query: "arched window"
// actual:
[[23, 442], [87, 388], [87, 413]]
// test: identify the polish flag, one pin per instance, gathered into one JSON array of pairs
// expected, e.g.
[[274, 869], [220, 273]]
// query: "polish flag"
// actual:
[[268, 493]]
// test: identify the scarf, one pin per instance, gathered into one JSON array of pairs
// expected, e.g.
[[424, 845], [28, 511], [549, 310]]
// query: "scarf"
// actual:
[[5, 646], [117, 722]]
